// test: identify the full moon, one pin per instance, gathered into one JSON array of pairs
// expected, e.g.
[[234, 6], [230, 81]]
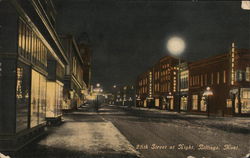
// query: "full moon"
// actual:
[[176, 46]]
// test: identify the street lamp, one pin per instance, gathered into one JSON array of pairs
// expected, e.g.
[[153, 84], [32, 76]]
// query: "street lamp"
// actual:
[[176, 47], [208, 92], [98, 85]]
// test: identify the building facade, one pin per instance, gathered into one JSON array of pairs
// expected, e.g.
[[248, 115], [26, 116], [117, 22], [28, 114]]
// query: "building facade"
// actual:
[[227, 76], [29, 52], [184, 86], [124, 95], [74, 84], [86, 53], [224, 77], [168, 82], [144, 89]]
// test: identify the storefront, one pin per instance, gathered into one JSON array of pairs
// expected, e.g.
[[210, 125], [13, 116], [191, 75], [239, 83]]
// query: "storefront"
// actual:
[[184, 103], [240, 101], [23, 90], [26, 45], [54, 92], [54, 100], [170, 102]]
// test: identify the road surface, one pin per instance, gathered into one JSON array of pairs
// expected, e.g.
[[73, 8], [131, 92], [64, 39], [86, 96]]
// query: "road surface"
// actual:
[[115, 132]]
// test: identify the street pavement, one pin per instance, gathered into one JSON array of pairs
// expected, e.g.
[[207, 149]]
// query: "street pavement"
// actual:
[[123, 132]]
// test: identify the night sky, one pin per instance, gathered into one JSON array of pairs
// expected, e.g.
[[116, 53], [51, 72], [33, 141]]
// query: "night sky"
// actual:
[[129, 36]]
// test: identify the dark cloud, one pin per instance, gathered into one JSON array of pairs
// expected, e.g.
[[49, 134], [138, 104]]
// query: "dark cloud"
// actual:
[[128, 36]]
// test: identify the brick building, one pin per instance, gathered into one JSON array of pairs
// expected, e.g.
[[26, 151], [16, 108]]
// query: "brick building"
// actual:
[[227, 76], [144, 89], [74, 84]]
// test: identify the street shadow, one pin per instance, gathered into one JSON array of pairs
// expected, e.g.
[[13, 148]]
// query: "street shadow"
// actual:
[[135, 115], [231, 129], [41, 151], [82, 118], [37, 150]]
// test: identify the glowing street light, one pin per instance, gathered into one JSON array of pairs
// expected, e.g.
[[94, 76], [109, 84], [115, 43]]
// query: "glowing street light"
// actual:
[[98, 85], [176, 46]]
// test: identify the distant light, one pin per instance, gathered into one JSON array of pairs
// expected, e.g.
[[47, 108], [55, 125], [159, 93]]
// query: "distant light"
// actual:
[[98, 85], [114, 86], [176, 46], [208, 92]]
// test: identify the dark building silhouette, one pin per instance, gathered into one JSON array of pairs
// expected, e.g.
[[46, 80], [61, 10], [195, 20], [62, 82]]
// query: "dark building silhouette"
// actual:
[[86, 53], [75, 87]]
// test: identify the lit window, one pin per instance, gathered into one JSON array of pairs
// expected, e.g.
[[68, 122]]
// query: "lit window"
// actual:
[[218, 77], [203, 104], [248, 74], [229, 103], [194, 102]]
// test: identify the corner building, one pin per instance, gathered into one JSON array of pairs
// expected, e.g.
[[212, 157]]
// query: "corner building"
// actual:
[[228, 76], [31, 57]]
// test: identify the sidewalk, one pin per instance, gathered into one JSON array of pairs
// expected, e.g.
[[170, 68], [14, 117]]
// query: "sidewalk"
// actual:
[[83, 134]]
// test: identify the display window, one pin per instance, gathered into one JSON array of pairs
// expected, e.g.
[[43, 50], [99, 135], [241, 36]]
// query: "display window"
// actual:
[[54, 99], [184, 103], [194, 102], [38, 99], [203, 104], [245, 100]]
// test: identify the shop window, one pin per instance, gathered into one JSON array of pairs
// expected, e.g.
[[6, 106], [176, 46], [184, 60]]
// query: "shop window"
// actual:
[[194, 102], [229, 103], [171, 104], [157, 102], [38, 99], [184, 103], [245, 106], [203, 104], [236, 105], [42, 101], [22, 96]]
